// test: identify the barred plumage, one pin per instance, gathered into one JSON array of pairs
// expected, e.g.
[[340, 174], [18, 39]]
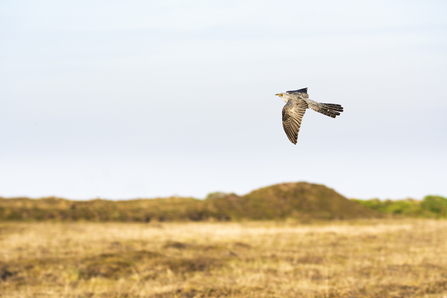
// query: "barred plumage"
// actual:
[[297, 101]]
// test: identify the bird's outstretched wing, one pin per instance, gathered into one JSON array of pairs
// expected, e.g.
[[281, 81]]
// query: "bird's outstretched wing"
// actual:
[[303, 90], [300, 92], [292, 115]]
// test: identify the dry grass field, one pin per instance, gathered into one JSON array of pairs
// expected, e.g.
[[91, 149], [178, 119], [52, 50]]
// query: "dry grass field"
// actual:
[[374, 258]]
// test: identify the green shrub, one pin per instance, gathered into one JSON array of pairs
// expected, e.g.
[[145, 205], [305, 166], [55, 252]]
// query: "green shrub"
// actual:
[[429, 207], [436, 205]]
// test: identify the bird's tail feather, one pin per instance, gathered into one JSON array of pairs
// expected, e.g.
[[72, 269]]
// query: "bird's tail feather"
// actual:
[[329, 109], [333, 106]]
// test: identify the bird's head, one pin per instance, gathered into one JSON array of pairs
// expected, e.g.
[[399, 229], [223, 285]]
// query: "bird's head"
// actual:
[[284, 98]]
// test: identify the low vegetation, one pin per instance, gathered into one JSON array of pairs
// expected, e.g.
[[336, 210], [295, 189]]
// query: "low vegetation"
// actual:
[[429, 207], [302, 201], [299, 201], [351, 258]]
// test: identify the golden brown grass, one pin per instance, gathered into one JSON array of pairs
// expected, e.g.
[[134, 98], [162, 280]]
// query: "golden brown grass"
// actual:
[[376, 258]]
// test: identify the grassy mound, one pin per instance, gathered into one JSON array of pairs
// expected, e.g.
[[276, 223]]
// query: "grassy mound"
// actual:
[[291, 200]]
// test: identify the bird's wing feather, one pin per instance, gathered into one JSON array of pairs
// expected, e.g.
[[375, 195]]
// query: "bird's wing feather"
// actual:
[[292, 115]]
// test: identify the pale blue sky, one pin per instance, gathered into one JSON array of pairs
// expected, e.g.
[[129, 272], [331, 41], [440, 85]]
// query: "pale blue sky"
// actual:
[[125, 99]]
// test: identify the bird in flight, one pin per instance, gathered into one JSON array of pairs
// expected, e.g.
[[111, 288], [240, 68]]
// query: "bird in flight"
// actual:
[[297, 101]]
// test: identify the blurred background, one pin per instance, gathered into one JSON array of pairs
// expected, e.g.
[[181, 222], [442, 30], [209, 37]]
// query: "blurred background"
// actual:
[[127, 99]]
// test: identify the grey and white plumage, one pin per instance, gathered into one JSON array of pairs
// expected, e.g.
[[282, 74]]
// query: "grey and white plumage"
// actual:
[[297, 101]]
